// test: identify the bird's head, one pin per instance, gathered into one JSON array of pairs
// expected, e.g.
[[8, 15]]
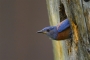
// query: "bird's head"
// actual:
[[51, 31]]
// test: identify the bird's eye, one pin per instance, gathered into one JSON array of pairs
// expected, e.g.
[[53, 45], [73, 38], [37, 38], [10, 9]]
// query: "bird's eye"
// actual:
[[48, 30]]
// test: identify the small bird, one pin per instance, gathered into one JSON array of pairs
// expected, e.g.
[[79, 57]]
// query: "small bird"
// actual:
[[60, 32]]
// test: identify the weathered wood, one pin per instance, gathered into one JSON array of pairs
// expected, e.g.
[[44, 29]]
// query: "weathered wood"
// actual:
[[60, 49], [78, 11]]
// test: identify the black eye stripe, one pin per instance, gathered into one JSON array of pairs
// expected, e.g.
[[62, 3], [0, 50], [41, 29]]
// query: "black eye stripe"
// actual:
[[48, 30]]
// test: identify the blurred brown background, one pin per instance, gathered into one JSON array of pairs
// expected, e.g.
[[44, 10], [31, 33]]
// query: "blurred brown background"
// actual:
[[19, 21]]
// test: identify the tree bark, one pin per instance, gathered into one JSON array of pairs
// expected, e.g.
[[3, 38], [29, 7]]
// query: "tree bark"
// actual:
[[78, 12], [59, 47]]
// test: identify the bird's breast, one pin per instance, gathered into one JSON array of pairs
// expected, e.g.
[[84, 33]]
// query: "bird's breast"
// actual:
[[64, 34]]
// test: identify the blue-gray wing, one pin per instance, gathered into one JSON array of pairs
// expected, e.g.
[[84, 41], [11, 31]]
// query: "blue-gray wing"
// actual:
[[63, 25]]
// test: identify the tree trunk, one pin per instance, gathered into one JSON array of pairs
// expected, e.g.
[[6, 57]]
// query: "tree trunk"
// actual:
[[78, 12]]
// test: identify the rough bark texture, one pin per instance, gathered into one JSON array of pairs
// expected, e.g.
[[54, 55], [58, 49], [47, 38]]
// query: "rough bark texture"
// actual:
[[59, 47], [78, 12]]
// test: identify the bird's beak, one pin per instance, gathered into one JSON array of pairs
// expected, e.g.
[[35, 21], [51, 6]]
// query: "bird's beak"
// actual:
[[39, 31], [44, 32]]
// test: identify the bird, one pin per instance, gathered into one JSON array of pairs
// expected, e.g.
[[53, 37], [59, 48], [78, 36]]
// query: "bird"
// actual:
[[61, 31]]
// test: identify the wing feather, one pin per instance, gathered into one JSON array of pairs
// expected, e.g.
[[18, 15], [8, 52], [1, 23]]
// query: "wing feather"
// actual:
[[63, 25]]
